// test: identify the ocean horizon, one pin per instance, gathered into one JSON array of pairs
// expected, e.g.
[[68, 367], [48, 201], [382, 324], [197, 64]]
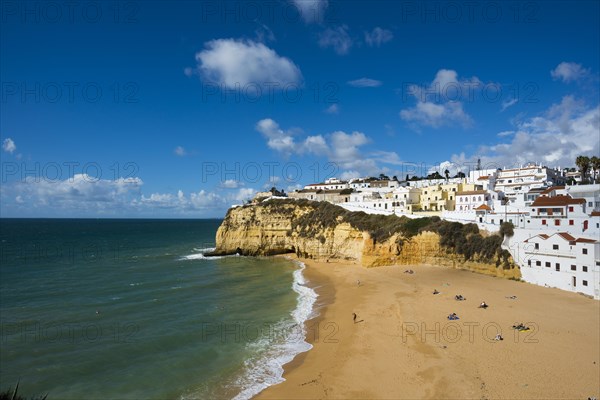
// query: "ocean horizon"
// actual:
[[131, 308]]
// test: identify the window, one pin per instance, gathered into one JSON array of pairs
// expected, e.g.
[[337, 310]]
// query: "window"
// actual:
[[543, 222], [573, 268], [570, 208], [547, 264], [557, 266], [538, 263], [537, 246], [584, 283], [584, 268], [591, 204], [571, 222], [584, 251], [529, 262], [557, 222], [554, 247]]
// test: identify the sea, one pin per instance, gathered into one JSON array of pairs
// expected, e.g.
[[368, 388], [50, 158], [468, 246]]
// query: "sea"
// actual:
[[133, 309]]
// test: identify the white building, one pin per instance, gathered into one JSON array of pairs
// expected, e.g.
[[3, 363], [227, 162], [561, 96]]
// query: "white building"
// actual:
[[469, 200], [562, 261], [329, 184], [514, 183]]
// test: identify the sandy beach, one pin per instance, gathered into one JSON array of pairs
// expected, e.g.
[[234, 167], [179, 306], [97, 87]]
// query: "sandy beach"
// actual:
[[402, 346]]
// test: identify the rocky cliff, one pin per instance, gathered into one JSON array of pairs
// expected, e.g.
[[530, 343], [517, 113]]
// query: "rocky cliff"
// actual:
[[322, 231]]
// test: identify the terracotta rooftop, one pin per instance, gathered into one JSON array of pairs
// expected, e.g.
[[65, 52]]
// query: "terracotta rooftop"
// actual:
[[566, 236], [556, 201], [483, 178], [542, 235], [552, 189], [595, 214], [584, 240], [483, 207]]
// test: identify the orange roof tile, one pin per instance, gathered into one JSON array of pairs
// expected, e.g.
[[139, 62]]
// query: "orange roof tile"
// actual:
[[556, 201], [483, 207], [584, 240], [552, 188], [566, 236]]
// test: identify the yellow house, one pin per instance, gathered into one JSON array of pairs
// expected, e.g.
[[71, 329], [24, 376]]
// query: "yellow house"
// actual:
[[442, 197]]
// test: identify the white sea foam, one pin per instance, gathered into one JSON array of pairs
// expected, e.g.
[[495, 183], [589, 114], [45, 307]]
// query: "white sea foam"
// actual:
[[200, 255], [267, 368], [205, 249]]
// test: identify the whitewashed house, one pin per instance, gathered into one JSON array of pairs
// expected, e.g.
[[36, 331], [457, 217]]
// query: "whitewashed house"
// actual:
[[562, 261]]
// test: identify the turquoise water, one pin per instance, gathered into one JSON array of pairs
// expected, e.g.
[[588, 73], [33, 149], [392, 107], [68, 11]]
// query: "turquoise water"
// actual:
[[132, 309]]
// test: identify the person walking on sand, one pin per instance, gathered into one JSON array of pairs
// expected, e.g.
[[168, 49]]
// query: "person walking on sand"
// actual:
[[354, 316]]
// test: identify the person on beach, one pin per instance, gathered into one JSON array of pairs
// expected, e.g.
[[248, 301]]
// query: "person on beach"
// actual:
[[483, 305], [498, 337], [435, 291], [354, 316], [357, 282]]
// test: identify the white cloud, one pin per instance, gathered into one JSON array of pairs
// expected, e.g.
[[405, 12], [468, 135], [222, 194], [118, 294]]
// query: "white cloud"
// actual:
[[378, 36], [244, 194], [436, 115], [277, 139], [555, 138], [180, 151], [336, 38], [315, 145], [439, 103], [264, 33], [508, 103], [230, 184], [452, 168], [332, 109], [311, 10], [569, 72], [505, 133], [238, 63], [283, 141], [80, 191], [347, 175], [343, 149], [387, 157], [9, 145], [364, 82]]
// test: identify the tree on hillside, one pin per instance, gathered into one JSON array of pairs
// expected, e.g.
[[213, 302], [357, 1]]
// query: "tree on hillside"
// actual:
[[583, 163], [460, 175], [595, 163]]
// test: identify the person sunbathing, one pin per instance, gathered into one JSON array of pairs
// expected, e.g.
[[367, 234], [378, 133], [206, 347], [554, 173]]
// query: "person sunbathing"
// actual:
[[520, 327], [452, 317], [498, 337], [459, 297], [483, 305], [435, 291]]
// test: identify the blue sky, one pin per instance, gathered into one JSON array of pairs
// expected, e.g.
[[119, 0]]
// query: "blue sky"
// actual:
[[180, 109]]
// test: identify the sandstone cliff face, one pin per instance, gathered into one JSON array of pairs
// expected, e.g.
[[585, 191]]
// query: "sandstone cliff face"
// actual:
[[259, 229]]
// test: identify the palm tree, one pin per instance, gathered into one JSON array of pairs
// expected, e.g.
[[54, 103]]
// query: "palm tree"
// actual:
[[583, 163], [595, 162], [447, 173]]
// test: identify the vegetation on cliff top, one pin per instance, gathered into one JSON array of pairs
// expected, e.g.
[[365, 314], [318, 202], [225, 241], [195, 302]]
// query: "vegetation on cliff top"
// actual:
[[465, 240]]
